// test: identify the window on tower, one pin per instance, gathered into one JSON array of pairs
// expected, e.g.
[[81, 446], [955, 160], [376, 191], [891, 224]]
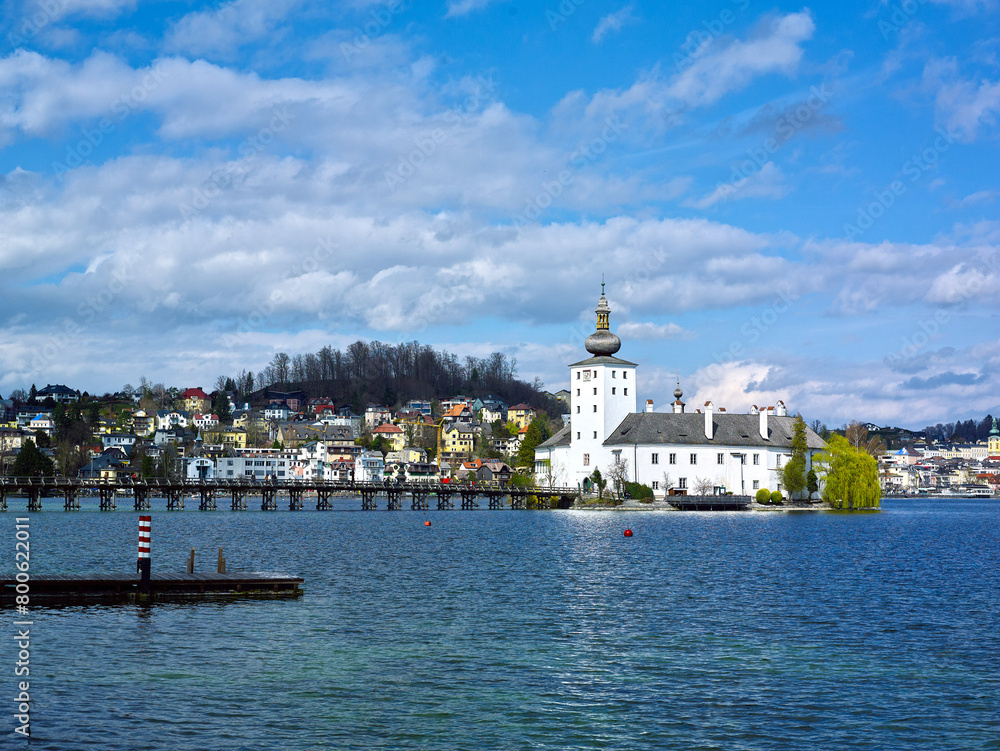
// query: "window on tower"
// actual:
[[626, 392], [595, 392], [614, 374], [613, 389], [595, 435], [578, 409], [595, 407], [586, 459]]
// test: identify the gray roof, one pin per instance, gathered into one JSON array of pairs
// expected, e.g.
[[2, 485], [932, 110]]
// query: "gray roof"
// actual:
[[689, 428], [562, 438], [603, 360]]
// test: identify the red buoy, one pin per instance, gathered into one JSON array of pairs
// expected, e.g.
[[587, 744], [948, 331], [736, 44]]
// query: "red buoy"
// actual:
[[628, 532], [427, 524]]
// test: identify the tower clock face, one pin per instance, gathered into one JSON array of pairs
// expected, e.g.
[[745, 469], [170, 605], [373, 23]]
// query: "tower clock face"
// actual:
[[586, 375]]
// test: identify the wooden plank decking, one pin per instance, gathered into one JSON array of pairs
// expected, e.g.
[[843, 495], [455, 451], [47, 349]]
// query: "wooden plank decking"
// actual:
[[63, 589]]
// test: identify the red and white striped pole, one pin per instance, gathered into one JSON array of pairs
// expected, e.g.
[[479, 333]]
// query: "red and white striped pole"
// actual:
[[142, 565]]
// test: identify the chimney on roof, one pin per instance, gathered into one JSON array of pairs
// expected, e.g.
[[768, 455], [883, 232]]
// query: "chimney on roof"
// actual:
[[780, 409], [763, 414], [709, 423], [649, 405], [754, 410]]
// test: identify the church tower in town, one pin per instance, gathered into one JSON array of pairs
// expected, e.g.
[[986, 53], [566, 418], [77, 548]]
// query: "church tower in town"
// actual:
[[603, 393]]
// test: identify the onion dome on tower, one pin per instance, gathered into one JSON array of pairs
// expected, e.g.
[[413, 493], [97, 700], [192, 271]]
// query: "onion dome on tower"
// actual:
[[602, 343]]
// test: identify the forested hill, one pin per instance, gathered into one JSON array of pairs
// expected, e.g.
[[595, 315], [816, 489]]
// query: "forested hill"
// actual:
[[391, 375]]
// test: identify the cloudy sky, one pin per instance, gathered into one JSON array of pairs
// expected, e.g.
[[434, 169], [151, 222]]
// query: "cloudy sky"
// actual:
[[787, 201]]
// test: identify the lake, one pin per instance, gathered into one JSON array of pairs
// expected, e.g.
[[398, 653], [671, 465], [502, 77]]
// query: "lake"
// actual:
[[528, 630]]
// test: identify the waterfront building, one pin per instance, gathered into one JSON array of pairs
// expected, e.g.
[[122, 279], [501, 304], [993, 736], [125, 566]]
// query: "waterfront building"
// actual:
[[710, 450]]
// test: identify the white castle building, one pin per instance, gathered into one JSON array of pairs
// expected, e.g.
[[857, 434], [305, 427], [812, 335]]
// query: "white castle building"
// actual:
[[727, 452]]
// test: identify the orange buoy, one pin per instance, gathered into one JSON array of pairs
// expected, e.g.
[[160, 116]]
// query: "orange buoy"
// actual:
[[628, 532], [427, 524]]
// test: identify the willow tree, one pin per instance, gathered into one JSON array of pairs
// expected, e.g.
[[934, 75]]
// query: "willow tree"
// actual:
[[850, 475]]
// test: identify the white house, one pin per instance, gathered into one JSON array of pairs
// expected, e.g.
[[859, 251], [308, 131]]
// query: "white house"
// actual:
[[738, 453], [171, 419], [369, 466]]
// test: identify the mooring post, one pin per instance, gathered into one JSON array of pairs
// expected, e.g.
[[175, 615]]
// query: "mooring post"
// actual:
[[190, 566], [222, 562], [142, 565]]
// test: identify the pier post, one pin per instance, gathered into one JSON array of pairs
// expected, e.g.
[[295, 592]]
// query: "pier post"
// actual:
[[142, 565]]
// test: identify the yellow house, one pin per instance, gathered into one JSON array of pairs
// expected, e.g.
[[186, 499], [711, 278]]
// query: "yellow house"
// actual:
[[392, 434], [196, 401], [229, 437], [521, 415], [457, 439]]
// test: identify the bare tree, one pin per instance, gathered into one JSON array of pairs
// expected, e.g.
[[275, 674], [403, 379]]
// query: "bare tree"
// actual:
[[617, 472], [704, 486], [857, 435]]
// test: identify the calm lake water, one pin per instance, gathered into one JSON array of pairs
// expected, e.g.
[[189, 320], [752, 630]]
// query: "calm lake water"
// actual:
[[528, 630]]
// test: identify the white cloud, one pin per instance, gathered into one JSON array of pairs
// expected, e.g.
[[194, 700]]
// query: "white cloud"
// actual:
[[962, 106], [223, 30], [767, 182], [614, 22], [723, 68], [465, 7], [652, 331], [777, 49]]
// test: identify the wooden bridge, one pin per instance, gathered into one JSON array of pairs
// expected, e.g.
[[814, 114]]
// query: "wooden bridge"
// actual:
[[238, 492]]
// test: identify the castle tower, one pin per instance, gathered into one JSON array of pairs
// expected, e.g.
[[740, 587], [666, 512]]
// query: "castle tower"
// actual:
[[994, 440], [603, 390]]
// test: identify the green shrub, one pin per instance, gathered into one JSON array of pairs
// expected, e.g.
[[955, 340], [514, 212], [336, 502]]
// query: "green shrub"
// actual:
[[638, 491], [763, 495], [776, 496]]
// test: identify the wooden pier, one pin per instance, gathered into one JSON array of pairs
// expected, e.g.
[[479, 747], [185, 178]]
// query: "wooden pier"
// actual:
[[138, 492], [124, 588], [710, 502]]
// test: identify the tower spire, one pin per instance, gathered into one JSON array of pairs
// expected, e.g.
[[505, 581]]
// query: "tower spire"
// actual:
[[602, 342]]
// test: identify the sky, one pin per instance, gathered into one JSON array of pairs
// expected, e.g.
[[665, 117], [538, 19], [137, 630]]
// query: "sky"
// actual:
[[786, 201]]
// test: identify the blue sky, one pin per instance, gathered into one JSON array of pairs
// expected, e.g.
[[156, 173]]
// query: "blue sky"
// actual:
[[788, 201]]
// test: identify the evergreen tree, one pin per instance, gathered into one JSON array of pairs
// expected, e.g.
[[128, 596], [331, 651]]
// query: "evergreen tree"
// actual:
[[538, 432], [31, 462]]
